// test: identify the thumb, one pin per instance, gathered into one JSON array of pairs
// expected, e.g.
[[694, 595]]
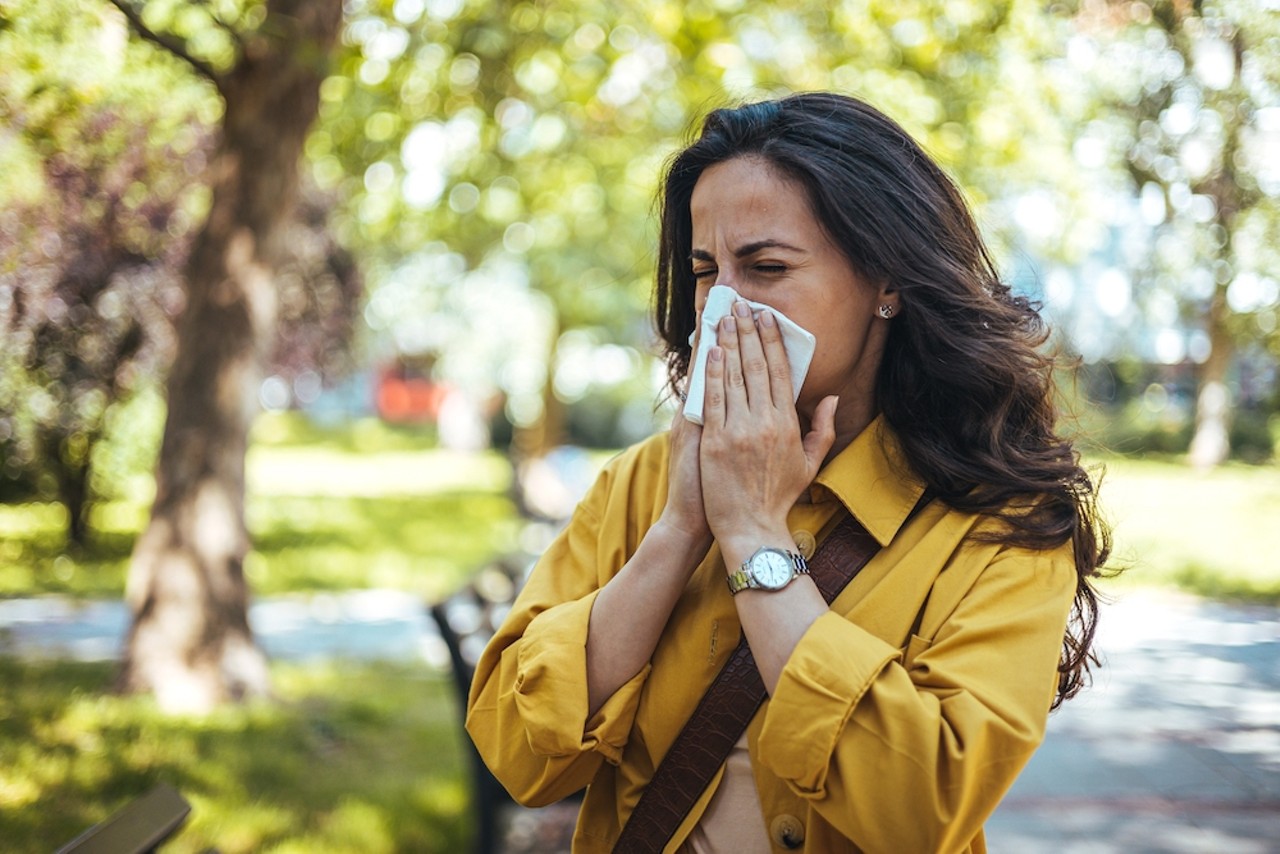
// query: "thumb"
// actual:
[[822, 433]]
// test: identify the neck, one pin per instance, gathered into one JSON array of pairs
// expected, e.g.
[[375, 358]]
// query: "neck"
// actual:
[[852, 417]]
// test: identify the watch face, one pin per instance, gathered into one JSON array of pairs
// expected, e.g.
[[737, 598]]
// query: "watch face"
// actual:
[[772, 569]]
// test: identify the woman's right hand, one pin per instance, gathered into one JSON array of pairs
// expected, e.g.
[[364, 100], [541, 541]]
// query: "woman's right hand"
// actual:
[[684, 512], [632, 609]]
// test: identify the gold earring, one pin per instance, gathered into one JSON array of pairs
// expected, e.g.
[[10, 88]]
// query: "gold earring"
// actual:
[[886, 311]]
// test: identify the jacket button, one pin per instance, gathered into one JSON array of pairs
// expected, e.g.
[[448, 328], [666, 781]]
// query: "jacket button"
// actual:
[[805, 543], [787, 831]]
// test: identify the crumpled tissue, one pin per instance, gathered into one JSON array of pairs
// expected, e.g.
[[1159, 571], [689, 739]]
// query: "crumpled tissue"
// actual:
[[799, 344]]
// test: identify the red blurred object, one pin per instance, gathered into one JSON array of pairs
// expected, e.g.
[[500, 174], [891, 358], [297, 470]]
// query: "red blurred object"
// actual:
[[403, 396]]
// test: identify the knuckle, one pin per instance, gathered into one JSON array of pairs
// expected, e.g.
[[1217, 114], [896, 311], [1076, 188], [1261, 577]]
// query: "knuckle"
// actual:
[[756, 364]]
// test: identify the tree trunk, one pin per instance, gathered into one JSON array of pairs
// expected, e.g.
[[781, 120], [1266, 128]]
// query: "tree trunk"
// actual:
[[1211, 443], [73, 486], [534, 488], [190, 642]]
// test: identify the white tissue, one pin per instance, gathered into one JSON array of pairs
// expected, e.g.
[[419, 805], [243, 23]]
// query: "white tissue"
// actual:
[[798, 342]]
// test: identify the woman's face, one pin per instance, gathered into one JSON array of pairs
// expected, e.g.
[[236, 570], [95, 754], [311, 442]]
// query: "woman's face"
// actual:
[[754, 231]]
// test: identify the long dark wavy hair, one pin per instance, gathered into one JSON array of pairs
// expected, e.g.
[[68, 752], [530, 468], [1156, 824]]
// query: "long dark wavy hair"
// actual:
[[966, 381]]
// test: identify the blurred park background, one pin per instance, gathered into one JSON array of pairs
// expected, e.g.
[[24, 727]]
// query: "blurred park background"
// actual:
[[301, 297]]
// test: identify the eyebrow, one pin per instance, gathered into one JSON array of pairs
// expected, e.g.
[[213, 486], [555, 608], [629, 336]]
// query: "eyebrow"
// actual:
[[746, 249]]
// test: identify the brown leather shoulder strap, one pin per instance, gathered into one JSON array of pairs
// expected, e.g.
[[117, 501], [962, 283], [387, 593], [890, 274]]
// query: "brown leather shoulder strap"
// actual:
[[729, 704]]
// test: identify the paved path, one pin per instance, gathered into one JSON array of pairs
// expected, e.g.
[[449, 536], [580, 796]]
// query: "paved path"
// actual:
[[1176, 748], [358, 624]]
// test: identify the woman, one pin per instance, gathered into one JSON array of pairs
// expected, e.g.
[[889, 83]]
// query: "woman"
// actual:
[[898, 716]]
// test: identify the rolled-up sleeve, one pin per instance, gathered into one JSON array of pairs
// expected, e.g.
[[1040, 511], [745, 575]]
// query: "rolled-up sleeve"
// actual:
[[551, 688], [914, 754], [527, 710], [833, 666]]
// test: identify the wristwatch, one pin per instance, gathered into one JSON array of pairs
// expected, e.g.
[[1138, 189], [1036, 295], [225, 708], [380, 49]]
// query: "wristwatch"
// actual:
[[768, 569]]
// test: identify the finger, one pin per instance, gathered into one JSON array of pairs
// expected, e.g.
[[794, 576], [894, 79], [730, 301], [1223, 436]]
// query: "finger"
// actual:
[[755, 369], [735, 392], [822, 434], [713, 404], [775, 353], [682, 426]]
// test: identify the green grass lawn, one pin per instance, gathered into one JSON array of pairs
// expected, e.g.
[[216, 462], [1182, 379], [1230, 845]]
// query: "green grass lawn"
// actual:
[[352, 758], [330, 514], [1215, 533]]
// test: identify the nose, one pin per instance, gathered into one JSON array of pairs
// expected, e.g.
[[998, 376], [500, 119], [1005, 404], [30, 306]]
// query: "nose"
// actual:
[[727, 275], [744, 288]]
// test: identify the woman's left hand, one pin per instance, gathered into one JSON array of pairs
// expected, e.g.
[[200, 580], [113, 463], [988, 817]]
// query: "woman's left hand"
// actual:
[[754, 462]]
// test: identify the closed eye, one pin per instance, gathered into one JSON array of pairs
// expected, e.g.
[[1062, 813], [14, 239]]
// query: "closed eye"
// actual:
[[772, 269], [702, 274]]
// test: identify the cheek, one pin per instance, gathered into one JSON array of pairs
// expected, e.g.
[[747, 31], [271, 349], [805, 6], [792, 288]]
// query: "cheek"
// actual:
[[700, 300], [837, 347]]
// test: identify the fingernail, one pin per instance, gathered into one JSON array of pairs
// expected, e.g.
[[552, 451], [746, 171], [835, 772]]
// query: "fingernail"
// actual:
[[741, 308], [766, 318], [714, 354]]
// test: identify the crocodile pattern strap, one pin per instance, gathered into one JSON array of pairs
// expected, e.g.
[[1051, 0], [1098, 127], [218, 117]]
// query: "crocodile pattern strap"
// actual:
[[729, 704]]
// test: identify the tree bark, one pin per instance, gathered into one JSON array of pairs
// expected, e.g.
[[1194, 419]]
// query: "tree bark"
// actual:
[[1211, 442], [190, 643], [73, 486]]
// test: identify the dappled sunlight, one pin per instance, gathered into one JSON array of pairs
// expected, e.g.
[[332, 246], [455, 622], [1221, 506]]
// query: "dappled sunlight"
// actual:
[[351, 752], [1183, 670], [423, 544], [34, 556], [324, 472], [426, 543], [1175, 748], [470, 254]]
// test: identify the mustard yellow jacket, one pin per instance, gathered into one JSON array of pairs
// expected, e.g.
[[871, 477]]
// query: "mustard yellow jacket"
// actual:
[[900, 720]]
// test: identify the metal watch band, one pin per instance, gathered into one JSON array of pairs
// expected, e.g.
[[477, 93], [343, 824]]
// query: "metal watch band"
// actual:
[[743, 579]]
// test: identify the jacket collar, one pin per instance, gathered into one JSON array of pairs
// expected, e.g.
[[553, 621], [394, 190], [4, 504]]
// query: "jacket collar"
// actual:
[[874, 481]]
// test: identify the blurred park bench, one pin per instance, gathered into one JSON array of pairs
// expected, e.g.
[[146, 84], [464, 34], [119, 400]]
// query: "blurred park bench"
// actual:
[[137, 828], [467, 620]]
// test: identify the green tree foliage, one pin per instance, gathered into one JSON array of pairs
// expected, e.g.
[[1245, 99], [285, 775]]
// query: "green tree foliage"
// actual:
[[90, 313], [99, 199], [101, 216], [103, 187], [514, 147], [1185, 98]]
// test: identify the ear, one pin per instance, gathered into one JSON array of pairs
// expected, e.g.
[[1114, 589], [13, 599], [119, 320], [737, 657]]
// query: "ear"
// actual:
[[888, 304]]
